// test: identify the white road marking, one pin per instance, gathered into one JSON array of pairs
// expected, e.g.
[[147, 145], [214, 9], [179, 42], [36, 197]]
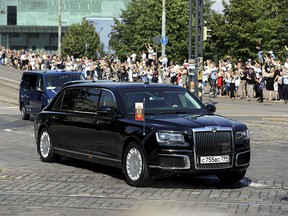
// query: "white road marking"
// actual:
[[14, 81], [14, 107]]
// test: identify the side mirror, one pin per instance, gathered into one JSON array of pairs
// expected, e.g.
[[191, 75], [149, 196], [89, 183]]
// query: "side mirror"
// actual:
[[211, 108], [38, 89]]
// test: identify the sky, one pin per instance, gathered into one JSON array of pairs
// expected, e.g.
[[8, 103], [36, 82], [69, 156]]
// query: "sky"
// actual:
[[217, 6]]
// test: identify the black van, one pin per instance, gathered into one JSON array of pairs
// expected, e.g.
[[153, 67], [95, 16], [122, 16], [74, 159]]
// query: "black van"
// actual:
[[38, 88]]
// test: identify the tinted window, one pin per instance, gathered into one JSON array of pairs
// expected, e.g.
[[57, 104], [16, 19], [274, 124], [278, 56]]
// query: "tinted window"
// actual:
[[58, 103], [69, 100], [29, 81], [88, 100], [107, 99], [11, 15], [162, 100]]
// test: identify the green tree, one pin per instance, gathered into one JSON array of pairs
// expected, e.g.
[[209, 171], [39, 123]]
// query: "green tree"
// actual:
[[245, 23], [142, 21], [81, 40]]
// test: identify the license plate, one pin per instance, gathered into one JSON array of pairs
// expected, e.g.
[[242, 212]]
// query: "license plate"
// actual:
[[215, 159]]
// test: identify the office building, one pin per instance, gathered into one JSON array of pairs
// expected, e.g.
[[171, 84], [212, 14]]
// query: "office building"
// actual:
[[33, 24]]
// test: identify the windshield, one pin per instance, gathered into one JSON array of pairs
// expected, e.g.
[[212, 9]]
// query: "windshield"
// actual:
[[163, 101], [55, 81]]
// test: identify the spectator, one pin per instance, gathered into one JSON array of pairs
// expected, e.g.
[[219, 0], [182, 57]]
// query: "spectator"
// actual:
[[150, 54], [269, 74], [250, 83], [261, 85], [285, 86]]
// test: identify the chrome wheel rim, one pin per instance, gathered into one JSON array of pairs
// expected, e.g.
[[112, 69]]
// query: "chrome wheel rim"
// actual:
[[45, 144], [134, 164]]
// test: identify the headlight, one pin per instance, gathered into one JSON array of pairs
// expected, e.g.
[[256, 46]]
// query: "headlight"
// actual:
[[241, 135], [170, 138]]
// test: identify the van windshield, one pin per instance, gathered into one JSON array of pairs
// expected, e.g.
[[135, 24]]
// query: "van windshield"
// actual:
[[55, 81]]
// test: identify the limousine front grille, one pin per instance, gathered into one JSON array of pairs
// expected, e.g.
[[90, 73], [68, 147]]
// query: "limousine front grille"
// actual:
[[213, 141]]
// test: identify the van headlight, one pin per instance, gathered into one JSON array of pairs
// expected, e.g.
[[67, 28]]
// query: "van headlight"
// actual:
[[242, 135], [170, 138]]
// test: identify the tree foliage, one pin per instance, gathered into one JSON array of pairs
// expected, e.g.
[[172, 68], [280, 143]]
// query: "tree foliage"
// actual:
[[142, 21], [234, 33], [246, 22], [81, 40]]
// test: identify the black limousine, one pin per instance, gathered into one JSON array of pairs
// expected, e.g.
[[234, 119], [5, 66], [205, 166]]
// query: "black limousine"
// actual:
[[148, 130]]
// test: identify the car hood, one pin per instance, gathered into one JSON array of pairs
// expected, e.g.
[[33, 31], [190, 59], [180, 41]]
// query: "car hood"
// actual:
[[191, 121]]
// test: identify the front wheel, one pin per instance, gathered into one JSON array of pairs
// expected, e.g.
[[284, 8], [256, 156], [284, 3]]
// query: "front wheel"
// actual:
[[24, 114], [231, 177], [135, 167], [45, 147]]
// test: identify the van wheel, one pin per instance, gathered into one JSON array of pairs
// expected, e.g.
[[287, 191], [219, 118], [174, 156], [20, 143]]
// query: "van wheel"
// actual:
[[45, 147], [135, 166], [24, 114]]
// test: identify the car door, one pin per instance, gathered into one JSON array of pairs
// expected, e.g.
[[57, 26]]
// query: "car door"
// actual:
[[27, 90], [35, 95], [82, 120], [106, 134], [60, 119], [39, 95]]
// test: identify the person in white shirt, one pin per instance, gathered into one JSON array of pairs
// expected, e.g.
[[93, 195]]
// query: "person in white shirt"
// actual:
[[150, 53]]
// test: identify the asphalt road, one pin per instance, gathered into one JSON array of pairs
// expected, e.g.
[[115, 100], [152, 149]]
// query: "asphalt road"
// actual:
[[70, 187]]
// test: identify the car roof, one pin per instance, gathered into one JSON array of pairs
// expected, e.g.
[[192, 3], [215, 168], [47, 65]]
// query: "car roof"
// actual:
[[122, 85], [52, 72]]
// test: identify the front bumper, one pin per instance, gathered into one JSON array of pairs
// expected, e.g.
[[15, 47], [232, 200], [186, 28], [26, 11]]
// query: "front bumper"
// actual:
[[184, 161]]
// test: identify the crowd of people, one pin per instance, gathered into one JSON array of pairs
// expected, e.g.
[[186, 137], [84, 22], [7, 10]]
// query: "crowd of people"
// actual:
[[224, 78]]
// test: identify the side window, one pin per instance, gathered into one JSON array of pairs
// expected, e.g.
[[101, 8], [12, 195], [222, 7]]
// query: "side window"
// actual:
[[29, 81], [88, 100], [69, 99], [58, 103], [40, 83], [107, 99]]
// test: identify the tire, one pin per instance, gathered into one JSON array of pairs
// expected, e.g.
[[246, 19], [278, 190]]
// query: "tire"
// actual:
[[231, 177], [45, 147], [24, 114], [135, 167]]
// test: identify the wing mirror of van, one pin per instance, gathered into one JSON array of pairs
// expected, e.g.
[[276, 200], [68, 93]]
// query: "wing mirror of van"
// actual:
[[211, 108], [38, 89]]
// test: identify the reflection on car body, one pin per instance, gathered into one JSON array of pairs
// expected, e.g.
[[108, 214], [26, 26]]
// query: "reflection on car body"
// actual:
[[95, 121]]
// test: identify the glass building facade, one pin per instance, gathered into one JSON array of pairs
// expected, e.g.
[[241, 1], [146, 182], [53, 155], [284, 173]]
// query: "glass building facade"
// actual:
[[33, 24]]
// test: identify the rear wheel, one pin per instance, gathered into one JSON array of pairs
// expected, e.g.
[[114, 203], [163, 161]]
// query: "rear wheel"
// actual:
[[24, 114], [231, 177], [135, 166], [45, 147]]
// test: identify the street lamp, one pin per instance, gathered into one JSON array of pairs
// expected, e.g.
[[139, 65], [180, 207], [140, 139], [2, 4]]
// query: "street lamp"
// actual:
[[59, 28], [163, 25]]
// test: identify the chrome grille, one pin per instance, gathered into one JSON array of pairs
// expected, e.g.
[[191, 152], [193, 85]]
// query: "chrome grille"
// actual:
[[213, 141]]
